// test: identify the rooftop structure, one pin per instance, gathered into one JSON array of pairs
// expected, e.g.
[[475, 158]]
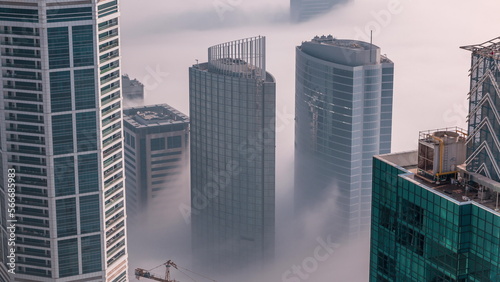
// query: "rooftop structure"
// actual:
[[153, 116], [483, 142]]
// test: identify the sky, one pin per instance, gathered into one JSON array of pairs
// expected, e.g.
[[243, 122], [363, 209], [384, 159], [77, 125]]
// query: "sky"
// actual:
[[162, 39]]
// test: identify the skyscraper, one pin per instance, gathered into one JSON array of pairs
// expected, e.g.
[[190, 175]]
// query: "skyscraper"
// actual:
[[483, 148], [156, 144], [343, 108], [433, 226], [232, 114], [303, 10], [436, 211], [133, 91], [61, 140]]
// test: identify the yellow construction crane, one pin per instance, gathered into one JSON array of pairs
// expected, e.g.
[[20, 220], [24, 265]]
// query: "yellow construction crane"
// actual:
[[143, 273]]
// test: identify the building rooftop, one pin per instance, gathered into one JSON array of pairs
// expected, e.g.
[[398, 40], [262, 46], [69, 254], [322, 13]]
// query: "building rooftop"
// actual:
[[454, 190], [344, 43], [346, 52], [153, 115], [490, 48]]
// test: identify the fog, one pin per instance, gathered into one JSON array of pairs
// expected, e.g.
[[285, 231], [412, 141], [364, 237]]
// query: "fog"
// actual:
[[160, 40]]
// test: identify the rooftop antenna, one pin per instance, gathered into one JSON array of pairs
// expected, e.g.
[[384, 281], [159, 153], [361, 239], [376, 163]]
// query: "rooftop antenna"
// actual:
[[371, 45], [197, 64]]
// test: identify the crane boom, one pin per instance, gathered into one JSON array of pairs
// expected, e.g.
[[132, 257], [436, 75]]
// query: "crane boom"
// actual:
[[139, 272]]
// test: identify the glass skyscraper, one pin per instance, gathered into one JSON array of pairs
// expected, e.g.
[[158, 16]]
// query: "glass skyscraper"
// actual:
[[232, 114], [427, 232], [61, 132], [343, 108], [436, 217]]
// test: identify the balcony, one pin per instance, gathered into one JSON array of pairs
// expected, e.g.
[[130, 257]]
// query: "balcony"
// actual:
[[26, 141], [35, 109], [113, 77], [114, 209], [21, 66], [107, 35], [107, 47], [20, 55], [115, 229], [27, 130], [20, 76], [29, 202], [20, 87], [107, 58], [32, 232], [108, 25], [21, 44], [112, 190], [33, 223], [115, 248]]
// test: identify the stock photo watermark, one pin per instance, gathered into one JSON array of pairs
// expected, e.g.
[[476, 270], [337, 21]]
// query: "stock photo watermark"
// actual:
[[11, 213], [224, 6], [321, 253]]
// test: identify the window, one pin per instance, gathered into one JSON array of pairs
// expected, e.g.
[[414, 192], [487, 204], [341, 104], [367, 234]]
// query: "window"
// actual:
[[58, 47], [157, 144], [174, 142], [64, 176], [91, 254], [88, 177], [62, 134], [89, 214], [66, 217], [83, 46], [85, 94], [68, 257], [86, 131], [60, 91]]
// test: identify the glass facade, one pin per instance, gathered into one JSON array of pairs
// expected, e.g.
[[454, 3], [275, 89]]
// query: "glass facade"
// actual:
[[343, 111], [232, 160], [420, 234], [70, 197]]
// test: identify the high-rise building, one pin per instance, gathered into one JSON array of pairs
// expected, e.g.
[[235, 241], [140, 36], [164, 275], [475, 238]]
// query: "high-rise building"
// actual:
[[156, 143], [436, 211], [428, 222], [61, 141], [232, 114], [343, 108], [303, 10], [133, 91]]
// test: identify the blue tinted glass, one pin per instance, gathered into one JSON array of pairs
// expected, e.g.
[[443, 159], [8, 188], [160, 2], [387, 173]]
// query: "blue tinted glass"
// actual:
[[89, 214], [58, 47], [64, 176], [60, 91], [66, 217], [85, 89], [83, 46], [91, 254], [68, 257], [62, 134], [86, 131], [88, 177]]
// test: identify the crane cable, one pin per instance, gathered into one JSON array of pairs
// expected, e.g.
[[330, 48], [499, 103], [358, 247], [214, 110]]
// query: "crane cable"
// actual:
[[186, 275], [197, 274]]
